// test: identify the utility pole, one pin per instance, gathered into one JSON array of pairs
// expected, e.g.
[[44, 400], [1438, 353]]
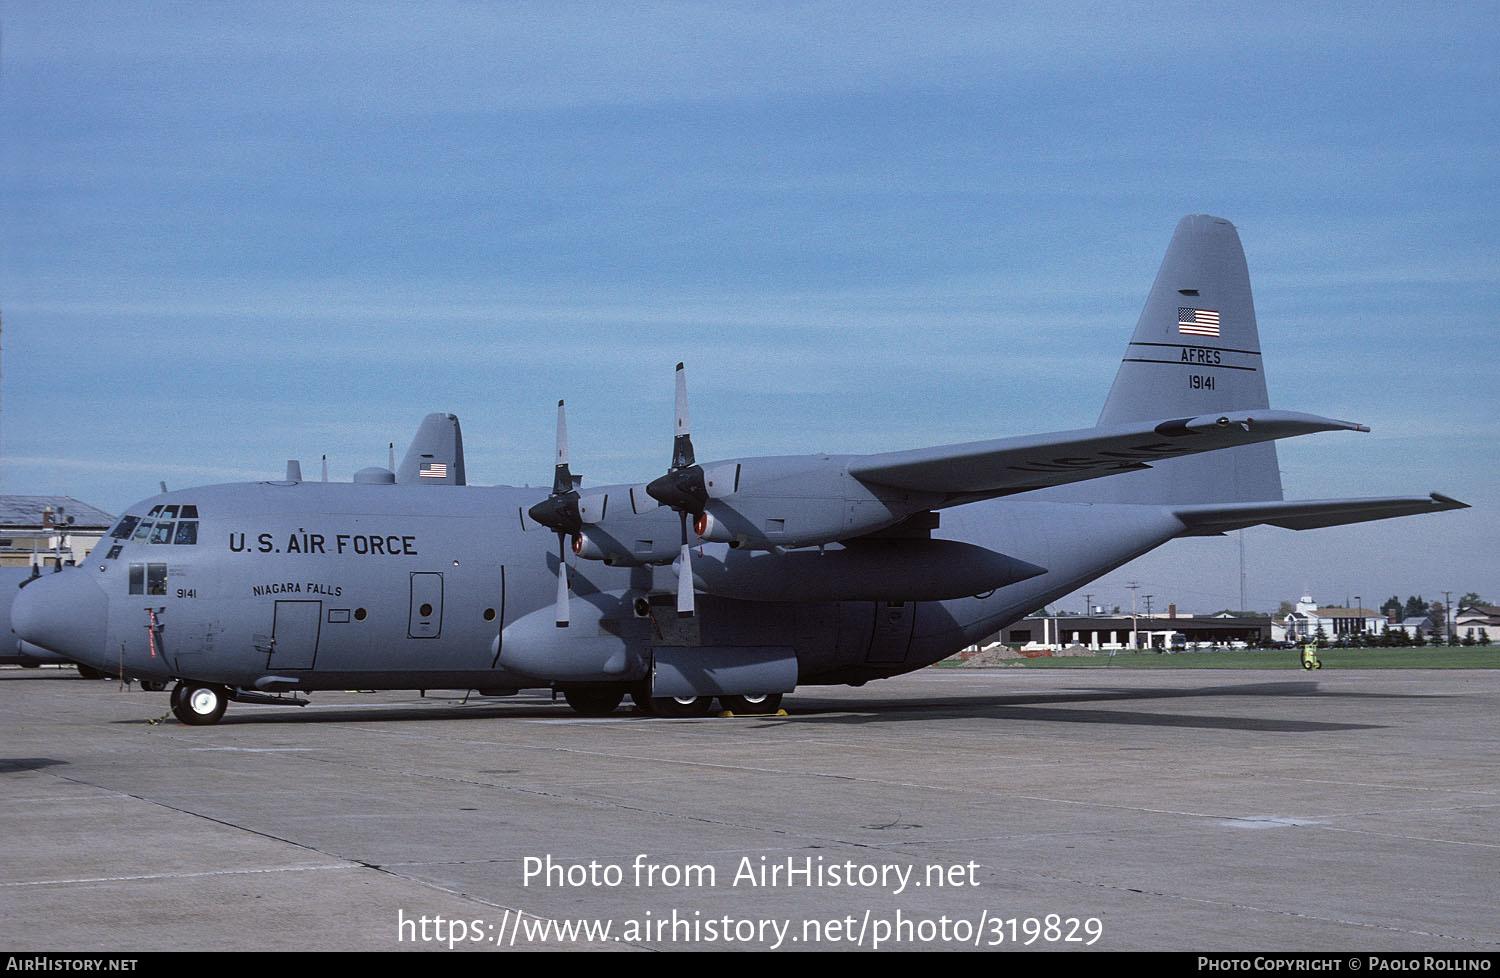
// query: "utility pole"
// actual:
[[1241, 535], [1088, 604]]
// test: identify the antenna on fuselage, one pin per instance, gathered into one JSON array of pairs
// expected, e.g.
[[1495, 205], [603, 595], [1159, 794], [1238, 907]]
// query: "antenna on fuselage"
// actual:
[[325, 468]]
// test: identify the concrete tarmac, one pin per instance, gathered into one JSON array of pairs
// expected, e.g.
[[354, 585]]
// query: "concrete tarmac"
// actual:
[[1191, 810]]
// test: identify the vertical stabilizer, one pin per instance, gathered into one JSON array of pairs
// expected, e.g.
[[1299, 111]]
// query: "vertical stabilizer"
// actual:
[[1195, 350], [436, 455]]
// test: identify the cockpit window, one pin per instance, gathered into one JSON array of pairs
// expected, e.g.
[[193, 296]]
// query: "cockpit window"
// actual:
[[159, 526], [125, 527]]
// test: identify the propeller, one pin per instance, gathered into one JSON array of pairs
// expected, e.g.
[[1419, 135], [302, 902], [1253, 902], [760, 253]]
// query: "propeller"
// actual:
[[559, 512], [684, 490]]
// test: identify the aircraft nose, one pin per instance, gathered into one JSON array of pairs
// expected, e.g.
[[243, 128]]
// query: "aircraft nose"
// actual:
[[64, 613]]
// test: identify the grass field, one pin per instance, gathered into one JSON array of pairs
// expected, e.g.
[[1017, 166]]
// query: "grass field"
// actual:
[[1475, 657]]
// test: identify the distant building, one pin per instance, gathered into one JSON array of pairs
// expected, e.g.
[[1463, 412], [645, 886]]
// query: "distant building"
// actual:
[[1479, 622], [1115, 632], [48, 529], [1304, 623], [1411, 625]]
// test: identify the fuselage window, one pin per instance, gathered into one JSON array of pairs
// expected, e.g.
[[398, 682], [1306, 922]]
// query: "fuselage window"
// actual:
[[113, 552], [156, 578], [187, 532], [137, 578], [155, 511], [142, 532], [170, 512], [190, 512], [162, 533]]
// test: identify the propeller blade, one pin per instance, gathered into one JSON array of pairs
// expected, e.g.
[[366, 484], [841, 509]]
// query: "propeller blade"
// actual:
[[685, 607], [682, 487], [562, 478], [562, 583], [682, 442]]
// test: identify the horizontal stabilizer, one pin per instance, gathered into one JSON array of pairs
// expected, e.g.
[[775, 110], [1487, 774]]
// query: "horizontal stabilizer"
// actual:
[[1214, 518], [1008, 465]]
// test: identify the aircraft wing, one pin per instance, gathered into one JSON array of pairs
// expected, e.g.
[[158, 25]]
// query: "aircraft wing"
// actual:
[[1003, 466], [1210, 519]]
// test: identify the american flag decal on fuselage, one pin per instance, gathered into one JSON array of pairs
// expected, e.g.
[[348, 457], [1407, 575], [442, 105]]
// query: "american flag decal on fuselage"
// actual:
[[1197, 322]]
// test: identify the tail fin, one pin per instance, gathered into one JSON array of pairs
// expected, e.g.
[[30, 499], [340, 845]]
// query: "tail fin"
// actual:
[[1196, 350], [436, 455]]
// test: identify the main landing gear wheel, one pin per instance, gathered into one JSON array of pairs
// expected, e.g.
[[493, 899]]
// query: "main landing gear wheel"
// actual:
[[681, 706], [752, 705], [152, 685], [594, 702], [199, 704]]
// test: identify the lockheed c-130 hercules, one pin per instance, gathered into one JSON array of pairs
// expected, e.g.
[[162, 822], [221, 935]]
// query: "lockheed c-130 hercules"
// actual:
[[737, 580]]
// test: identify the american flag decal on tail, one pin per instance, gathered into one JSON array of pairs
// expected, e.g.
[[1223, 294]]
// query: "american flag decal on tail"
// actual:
[[433, 470], [1197, 322]]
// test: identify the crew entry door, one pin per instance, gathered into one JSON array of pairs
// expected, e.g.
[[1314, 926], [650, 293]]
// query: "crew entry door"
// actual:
[[294, 634]]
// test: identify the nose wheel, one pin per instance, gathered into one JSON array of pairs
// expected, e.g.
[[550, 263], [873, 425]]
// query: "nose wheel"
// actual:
[[199, 704]]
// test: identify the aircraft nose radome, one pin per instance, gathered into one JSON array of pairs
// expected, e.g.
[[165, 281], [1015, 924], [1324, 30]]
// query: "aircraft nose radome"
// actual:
[[63, 613]]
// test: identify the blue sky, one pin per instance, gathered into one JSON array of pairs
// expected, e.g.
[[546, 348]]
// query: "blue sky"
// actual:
[[232, 234]]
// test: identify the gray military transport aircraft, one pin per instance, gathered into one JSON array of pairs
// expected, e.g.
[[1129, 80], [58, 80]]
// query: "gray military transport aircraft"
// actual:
[[737, 580]]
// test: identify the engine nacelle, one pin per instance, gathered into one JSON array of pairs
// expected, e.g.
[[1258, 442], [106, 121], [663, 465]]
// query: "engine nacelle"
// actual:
[[712, 530], [586, 548]]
